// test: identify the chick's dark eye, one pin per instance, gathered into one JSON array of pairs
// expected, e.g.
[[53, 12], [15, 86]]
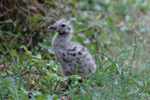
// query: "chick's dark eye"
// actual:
[[63, 25]]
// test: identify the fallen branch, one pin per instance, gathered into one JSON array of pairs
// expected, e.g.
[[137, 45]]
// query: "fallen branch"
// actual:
[[87, 28]]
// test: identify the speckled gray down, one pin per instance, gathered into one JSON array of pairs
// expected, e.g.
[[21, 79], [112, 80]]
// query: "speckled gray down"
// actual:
[[71, 54]]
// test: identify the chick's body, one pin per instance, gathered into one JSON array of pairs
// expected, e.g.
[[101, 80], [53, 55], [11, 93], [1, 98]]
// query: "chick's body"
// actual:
[[71, 54]]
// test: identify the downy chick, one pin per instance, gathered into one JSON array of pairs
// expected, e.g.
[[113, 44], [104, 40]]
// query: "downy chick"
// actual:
[[70, 54]]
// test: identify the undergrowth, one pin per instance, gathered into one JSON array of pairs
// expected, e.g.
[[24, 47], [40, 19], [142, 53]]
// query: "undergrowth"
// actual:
[[119, 43]]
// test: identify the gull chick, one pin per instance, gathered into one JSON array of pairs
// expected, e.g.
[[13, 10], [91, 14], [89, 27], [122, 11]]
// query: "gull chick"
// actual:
[[71, 55]]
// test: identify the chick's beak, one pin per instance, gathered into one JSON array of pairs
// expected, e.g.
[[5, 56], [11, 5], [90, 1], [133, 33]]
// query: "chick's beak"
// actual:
[[51, 27]]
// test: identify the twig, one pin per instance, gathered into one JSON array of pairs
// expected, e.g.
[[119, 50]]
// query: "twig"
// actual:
[[26, 72], [87, 28], [45, 51], [30, 26], [2, 25], [119, 25], [4, 13], [2, 38], [36, 14]]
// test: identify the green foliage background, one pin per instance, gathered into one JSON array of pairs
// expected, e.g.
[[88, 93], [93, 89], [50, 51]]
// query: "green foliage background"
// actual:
[[120, 45]]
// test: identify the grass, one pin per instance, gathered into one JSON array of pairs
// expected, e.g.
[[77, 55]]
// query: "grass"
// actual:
[[119, 45], [115, 78]]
